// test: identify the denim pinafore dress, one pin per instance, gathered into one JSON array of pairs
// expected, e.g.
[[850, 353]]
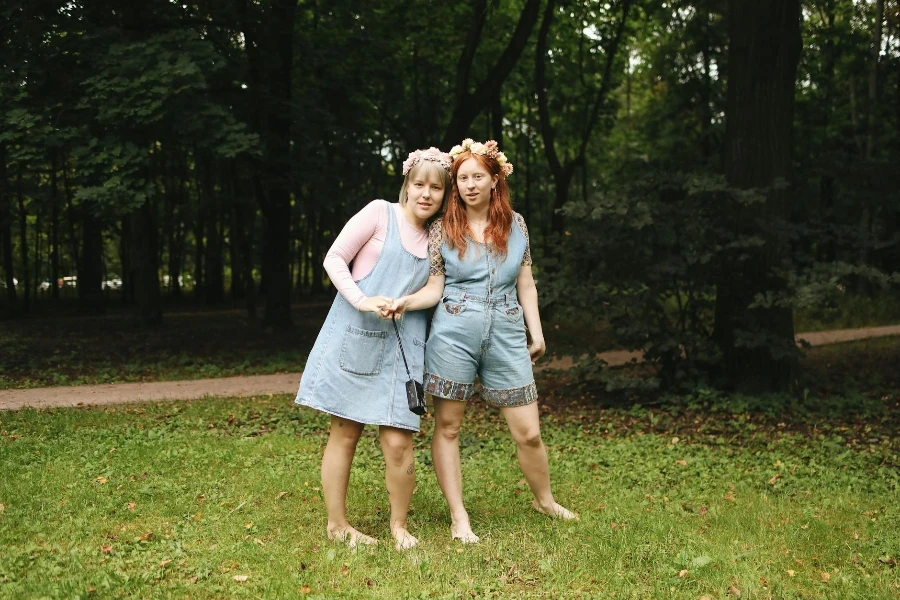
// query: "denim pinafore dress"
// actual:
[[355, 370], [479, 328]]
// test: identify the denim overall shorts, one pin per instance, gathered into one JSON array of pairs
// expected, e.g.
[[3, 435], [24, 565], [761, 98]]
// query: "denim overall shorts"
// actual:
[[355, 370], [478, 328]]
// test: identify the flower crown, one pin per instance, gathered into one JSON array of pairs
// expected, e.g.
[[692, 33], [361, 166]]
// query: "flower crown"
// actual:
[[432, 154], [489, 149]]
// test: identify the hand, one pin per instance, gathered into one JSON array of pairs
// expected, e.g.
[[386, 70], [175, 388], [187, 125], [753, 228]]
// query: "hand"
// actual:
[[536, 349], [378, 305], [399, 306]]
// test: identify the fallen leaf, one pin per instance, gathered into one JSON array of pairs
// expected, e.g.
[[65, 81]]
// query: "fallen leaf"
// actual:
[[241, 578], [131, 505], [729, 496], [706, 598], [101, 479], [826, 576], [703, 510], [370, 583], [459, 550], [345, 570], [888, 560], [315, 548], [193, 579], [791, 572], [675, 440], [197, 516], [774, 478], [106, 549], [682, 573], [248, 525], [163, 563], [764, 582], [281, 495], [147, 536], [305, 589], [734, 591], [681, 462]]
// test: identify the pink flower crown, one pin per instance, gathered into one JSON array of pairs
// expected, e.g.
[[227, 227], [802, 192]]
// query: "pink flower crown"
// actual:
[[432, 154], [488, 148]]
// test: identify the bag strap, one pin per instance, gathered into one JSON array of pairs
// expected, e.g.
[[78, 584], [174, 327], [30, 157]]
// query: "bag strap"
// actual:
[[400, 342]]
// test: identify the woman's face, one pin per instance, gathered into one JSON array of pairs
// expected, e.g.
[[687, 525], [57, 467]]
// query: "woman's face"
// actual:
[[474, 183], [424, 194]]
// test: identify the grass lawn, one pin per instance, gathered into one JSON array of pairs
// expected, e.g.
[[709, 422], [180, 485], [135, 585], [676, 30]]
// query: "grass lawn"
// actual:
[[220, 498]]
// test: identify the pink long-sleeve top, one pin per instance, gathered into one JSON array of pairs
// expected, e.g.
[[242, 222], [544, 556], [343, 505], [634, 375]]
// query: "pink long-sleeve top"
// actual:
[[360, 243]]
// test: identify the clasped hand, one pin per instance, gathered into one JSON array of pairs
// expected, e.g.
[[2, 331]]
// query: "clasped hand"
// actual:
[[384, 307]]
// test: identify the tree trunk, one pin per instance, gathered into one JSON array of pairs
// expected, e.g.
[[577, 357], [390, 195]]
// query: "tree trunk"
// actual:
[[72, 218], [90, 277], [145, 268], [277, 205], [244, 225], [758, 344], [468, 106], [172, 225], [214, 285], [23, 245], [6, 247], [54, 228], [199, 248]]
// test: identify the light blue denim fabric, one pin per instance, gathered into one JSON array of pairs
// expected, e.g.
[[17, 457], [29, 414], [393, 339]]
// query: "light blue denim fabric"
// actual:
[[478, 328], [355, 369]]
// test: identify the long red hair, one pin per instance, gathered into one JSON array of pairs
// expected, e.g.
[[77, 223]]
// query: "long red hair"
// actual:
[[500, 212]]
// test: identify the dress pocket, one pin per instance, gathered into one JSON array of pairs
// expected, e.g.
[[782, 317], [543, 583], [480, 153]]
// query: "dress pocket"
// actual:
[[453, 307], [513, 313], [362, 351]]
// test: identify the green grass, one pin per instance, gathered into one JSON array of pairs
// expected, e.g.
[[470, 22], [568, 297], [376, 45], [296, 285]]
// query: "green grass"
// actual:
[[176, 500]]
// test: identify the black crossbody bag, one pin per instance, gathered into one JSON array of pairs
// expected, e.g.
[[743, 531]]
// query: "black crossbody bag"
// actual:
[[415, 394]]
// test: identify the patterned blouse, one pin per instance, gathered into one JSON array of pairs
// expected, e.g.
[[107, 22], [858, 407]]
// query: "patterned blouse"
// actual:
[[436, 239]]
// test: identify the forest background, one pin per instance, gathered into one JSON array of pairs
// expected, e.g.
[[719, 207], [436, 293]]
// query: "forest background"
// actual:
[[694, 174]]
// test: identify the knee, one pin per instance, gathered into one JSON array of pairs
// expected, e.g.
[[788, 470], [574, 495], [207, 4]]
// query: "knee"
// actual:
[[397, 448], [345, 435], [447, 430], [529, 438]]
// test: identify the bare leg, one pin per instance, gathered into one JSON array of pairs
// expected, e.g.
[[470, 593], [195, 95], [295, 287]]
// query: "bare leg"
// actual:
[[400, 478], [336, 462], [448, 415], [524, 425]]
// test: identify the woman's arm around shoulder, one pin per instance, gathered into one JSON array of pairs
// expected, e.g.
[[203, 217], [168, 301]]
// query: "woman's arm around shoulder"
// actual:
[[431, 294]]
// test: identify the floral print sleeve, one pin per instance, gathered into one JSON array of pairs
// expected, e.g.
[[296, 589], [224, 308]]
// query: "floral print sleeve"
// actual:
[[526, 258], [435, 240]]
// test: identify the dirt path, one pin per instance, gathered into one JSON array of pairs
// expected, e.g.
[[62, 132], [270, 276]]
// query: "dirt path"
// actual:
[[287, 383]]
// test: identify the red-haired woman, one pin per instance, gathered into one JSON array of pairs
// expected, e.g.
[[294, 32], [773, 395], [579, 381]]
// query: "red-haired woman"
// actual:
[[481, 274]]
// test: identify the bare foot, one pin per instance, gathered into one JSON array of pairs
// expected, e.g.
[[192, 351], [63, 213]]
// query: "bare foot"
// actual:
[[404, 540], [555, 510], [350, 536], [461, 530]]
